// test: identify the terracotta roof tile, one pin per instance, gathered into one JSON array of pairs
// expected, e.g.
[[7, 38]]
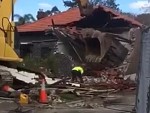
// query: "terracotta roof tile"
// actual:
[[59, 19], [67, 17], [120, 16]]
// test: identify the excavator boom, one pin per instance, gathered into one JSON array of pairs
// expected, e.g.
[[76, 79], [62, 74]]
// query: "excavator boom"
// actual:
[[85, 7]]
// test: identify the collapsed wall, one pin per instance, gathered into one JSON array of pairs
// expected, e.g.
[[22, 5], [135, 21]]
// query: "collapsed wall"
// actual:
[[104, 39], [100, 50]]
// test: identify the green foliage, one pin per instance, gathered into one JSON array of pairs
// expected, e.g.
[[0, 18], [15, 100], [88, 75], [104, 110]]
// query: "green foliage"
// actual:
[[27, 18], [51, 63], [54, 10], [42, 14], [112, 4], [36, 63], [109, 3], [95, 2], [70, 4]]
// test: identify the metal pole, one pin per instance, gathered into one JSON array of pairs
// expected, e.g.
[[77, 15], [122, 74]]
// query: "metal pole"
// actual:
[[143, 95], [12, 6]]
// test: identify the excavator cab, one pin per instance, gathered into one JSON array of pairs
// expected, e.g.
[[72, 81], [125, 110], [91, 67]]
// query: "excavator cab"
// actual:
[[7, 52]]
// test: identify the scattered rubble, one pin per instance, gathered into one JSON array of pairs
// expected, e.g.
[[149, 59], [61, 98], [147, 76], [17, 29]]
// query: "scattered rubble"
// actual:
[[101, 48], [102, 85]]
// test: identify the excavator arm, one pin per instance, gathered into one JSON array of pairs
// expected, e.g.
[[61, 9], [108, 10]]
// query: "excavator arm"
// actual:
[[7, 52], [85, 7]]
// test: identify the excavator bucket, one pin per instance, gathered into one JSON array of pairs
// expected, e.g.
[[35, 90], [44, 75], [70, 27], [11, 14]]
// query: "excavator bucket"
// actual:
[[7, 52]]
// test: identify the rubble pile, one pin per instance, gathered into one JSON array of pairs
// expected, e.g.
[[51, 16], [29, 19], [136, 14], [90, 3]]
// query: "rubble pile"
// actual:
[[63, 93], [108, 82], [101, 48], [110, 79]]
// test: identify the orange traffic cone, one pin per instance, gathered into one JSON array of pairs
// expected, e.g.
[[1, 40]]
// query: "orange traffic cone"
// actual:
[[7, 88], [43, 94]]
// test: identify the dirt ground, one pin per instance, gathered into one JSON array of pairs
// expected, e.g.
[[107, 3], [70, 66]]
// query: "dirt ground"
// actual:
[[122, 104]]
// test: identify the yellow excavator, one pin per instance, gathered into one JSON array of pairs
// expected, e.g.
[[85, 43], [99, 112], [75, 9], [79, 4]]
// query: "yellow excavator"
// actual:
[[8, 55], [7, 52]]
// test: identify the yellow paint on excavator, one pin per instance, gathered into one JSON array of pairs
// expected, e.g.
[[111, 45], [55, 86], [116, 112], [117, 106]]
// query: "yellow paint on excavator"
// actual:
[[85, 7], [83, 3], [7, 52]]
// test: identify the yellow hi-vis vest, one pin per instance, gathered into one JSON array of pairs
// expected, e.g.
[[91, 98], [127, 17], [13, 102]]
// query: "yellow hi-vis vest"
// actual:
[[78, 68]]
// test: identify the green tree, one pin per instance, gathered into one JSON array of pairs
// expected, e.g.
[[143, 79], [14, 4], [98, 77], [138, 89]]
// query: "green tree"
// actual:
[[112, 4], [70, 4], [42, 14], [96, 2], [109, 3], [55, 10], [27, 18]]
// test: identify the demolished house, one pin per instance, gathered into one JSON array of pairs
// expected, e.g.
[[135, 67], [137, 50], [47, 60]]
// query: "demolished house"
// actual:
[[104, 39], [107, 42]]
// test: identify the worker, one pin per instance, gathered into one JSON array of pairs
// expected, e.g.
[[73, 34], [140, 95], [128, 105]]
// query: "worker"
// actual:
[[77, 72]]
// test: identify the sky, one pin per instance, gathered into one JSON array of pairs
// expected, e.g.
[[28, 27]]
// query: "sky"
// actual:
[[32, 6]]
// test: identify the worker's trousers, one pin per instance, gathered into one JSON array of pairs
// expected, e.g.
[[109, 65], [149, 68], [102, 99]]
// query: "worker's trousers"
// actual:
[[76, 74]]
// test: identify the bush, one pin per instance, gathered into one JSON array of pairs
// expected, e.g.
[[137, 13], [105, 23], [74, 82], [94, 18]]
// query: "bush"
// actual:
[[36, 63], [60, 64]]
